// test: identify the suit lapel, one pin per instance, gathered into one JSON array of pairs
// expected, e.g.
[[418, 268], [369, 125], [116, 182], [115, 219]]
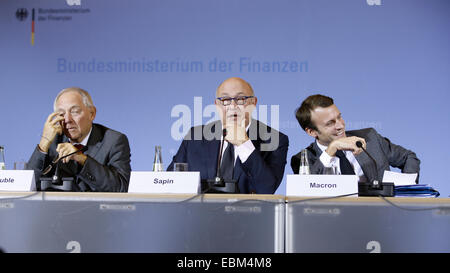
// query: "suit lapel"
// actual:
[[315, 148], [366, 165], [254, 127], [212, 147], [364, 161], [210, 160], [94, 142]]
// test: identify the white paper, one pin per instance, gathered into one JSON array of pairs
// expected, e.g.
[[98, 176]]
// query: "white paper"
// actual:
[[400, 179]]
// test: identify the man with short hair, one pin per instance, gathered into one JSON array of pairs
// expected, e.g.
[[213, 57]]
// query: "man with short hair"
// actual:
[[321, 119], [254, 154], [103, 161]]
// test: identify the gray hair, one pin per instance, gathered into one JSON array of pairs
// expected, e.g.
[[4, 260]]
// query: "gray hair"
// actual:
[[87, 100]]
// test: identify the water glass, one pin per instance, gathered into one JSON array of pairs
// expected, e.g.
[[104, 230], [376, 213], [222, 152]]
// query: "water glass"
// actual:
[[180, 167]]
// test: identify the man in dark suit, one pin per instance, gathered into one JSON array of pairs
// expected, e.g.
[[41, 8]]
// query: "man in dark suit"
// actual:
[[254, 154], [334, 146], [103, 162]]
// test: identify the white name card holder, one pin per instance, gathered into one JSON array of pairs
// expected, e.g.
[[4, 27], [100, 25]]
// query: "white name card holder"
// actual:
[[17, 180], [321, 185], [164, 182]]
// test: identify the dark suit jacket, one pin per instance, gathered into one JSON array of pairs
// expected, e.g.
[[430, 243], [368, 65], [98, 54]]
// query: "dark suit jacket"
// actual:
[[261, 173], [107, 168], [384, 152]]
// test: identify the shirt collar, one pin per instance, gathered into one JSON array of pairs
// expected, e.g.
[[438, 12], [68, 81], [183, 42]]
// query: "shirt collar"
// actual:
[[321, 147]]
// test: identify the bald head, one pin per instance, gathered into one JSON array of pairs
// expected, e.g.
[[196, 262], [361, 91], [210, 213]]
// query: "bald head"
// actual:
[[234, 86], [233, 113]]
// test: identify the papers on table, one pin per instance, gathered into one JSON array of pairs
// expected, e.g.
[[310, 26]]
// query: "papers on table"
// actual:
[[405, 185], [400, 179]]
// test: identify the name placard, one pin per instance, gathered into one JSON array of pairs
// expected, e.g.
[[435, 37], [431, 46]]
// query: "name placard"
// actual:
[[17, 180], [164, 182], [321, 185]]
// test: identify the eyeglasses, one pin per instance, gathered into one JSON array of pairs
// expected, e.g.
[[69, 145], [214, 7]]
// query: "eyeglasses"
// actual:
[[50, 167], [57, 159], [241, 100]]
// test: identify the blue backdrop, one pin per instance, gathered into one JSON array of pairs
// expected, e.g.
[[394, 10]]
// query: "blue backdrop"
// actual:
[[153, 66]]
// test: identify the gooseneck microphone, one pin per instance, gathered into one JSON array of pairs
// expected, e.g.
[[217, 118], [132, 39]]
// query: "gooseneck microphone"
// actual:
[[219, 157], [218, 184], [375, 187], [375, 183], [360, 145]]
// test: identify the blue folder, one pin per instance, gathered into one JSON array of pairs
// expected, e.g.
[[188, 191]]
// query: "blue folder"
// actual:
[[418, 190]]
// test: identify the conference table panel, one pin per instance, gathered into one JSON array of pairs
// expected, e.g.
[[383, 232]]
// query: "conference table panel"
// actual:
[[367, 224], [122, 222]]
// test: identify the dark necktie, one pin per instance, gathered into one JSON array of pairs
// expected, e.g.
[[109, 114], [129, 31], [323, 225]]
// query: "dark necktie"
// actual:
[[227, 165], [79, 146], [346, 167]]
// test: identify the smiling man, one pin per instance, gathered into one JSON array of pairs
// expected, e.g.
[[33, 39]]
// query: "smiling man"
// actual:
[[104, 162], [253, 154], [321, 119]]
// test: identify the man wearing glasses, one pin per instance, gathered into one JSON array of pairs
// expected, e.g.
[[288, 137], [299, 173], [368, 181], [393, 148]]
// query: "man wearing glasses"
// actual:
[[97, 157], [253, 153]]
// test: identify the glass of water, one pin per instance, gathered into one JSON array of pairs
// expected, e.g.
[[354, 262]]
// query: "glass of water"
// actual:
[[20, 165], [330, 170], [180, 167]]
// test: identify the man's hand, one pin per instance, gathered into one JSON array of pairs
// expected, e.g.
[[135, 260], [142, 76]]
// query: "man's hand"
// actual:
[[345, 144], [67, 148], [52, 127], [236, 133]]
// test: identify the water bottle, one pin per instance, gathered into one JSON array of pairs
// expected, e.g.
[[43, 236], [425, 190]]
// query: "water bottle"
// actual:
[[157, 162], [304, 164], [2, 158]]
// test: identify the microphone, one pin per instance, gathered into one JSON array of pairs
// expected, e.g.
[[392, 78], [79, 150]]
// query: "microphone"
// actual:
[[375, 187], [219, 158], [218, 184], [360, 145]]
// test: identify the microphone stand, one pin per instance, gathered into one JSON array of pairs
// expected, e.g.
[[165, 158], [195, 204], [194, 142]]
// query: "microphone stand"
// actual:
[[375, 187], [218, 184]]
